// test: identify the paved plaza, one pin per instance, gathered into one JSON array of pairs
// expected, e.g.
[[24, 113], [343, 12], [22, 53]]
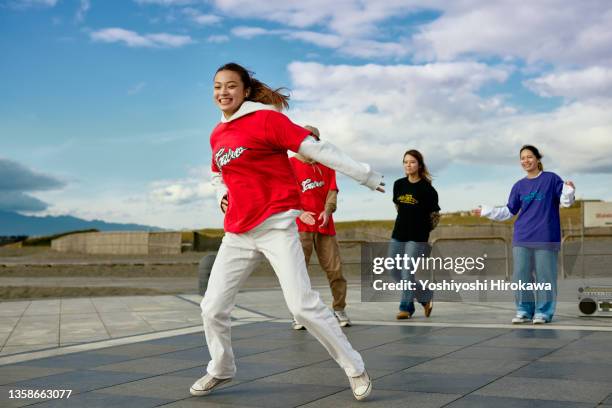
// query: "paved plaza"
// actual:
[[146, 351]]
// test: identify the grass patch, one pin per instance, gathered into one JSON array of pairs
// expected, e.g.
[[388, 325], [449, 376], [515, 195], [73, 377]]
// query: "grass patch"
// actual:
[[39, 292]]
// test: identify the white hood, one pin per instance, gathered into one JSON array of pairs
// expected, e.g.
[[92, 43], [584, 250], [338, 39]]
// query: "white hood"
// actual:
[[246, 108]]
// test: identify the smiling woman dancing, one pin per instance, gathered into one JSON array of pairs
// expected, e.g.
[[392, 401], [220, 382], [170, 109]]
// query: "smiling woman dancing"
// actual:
[[537, 234], [258, 192]]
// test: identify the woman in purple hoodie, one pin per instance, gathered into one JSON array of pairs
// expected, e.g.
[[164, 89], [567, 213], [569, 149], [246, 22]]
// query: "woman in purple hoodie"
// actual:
[[537, 234]]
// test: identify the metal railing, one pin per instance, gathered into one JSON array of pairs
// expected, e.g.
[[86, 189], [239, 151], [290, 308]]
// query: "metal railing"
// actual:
[[582, 254]]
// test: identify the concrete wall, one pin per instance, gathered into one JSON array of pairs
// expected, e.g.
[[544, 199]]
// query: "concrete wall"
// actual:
[[120, 243]]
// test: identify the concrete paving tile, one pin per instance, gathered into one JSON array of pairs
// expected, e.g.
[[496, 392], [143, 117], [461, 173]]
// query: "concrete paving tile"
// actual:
[[587, 343], [433, 382], [82, 328], [286, 356], [448, 365], [244, 372], [77, 306], [545, 334], [80, 380], [150, 365], [100, 400], [43, 307], [197, 354], [275, 330], [138, 350], [199, 402], [546, 389], [163, 387], [34, 336], [8, 350], [416, 350], [13, 309], [384, 399], [17, 372], [434, 339], [262, 394], [567, 371], [579, 355], [7, 323], [83, 360], [546, 343], [135, 331], [243, 347], [184, 341], [482, 333], [319, 376], [384, 361], [479, 401], [500, 353]]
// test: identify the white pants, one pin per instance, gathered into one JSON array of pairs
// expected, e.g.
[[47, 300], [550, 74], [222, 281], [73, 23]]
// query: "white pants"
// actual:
[[236, 259]]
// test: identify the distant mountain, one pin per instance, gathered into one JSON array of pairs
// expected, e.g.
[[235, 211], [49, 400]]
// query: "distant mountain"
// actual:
[[12, 223]]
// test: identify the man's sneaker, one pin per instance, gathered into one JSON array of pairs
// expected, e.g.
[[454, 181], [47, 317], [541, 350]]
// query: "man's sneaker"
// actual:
[[206, 384], [297, 326], [427, 308], [403, 315], [342, 318], [518, 319], [361, 386], [539, 320]]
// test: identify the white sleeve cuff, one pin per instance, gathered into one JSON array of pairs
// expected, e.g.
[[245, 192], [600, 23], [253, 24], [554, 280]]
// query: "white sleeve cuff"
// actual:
[[567, 196], [219, 185], [332, 157], [495, 213]]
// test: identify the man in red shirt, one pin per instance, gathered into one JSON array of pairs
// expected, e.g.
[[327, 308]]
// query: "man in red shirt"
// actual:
[[318, 195]]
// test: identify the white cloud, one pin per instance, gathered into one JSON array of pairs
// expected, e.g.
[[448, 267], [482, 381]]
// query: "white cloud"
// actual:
[[376, 112], [84, 7], [22, 4], [320, 39], [250, 32], [133, 39], [168, 2], [193, 189], [200, 18], [547, 30], [218, 39], [592, 82]]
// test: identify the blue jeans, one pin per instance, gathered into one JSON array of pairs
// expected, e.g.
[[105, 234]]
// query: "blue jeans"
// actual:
[[412, 249], [539, 266]]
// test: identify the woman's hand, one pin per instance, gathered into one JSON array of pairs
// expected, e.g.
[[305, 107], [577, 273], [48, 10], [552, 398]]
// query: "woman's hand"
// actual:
[[307, 217], [381, 187], [477, 212], [571, 184]]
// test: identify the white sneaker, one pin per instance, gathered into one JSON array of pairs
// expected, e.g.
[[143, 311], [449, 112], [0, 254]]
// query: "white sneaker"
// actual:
[[361, 386], [206, 385], [539, 320], [342, 318], [297, 326], [518, 319]]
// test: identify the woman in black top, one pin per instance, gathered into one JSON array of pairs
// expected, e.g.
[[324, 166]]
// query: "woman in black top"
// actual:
[[417, 207]]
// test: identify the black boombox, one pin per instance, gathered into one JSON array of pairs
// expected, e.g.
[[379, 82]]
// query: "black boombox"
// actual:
[[596, 299]]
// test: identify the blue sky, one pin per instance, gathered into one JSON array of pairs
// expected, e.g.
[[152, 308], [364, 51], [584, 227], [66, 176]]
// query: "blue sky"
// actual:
[[107, 108]]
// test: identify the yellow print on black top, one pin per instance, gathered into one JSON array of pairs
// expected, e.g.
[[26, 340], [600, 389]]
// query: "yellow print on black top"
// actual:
[[407, 199]]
